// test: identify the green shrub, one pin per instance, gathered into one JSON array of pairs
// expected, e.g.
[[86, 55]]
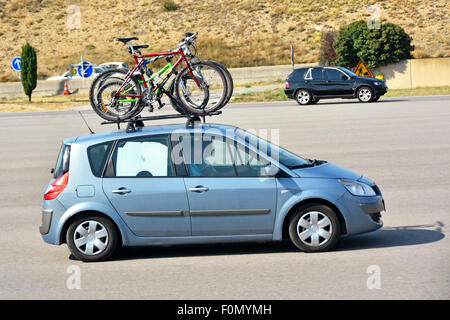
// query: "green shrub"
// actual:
[[169, 5], [375, 47]]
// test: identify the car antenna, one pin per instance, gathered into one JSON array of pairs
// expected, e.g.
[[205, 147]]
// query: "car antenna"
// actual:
[[92, 132]]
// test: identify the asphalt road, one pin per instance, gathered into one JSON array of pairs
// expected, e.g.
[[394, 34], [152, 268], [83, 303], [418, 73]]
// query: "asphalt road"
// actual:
[[401, 143]]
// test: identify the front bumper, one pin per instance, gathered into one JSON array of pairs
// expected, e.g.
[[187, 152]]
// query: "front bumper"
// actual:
[[362, 214], [379, 91]]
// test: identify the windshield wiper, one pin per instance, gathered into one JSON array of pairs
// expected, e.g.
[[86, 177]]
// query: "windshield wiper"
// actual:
[[311, 163]]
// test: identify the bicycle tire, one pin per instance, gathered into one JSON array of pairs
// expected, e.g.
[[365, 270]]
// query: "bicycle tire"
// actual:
[[202, 107], [100, 106], [229, 79]]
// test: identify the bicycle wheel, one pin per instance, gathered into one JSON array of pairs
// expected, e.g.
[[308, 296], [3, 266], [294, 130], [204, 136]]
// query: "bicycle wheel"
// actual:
[[227, 74], [102, 107], [112, 107], [202, 88]]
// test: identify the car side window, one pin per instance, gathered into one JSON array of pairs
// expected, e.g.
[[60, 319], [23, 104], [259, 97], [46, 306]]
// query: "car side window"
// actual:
[[210, 155], [317, 74], [143, 157], [333, 74]]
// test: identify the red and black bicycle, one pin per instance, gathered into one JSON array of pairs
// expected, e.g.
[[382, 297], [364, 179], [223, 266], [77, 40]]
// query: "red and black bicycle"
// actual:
[[200, 87]]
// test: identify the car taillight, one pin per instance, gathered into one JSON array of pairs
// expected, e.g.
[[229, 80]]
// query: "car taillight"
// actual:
[[286, 85], [57, 187]]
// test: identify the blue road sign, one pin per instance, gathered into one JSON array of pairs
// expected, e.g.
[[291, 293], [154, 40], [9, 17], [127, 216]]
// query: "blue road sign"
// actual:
[[16, 63], [85, 71]]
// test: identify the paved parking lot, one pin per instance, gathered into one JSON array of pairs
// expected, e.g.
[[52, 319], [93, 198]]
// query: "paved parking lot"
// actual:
[[401, 143]]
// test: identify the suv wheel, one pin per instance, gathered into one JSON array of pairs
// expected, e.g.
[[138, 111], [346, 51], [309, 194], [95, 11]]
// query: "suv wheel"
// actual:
[[92, 238], [314, 228], [303, 97], [364, 94]]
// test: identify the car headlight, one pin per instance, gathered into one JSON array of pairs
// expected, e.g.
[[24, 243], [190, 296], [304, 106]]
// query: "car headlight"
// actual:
[[357, 188], [377, 83]]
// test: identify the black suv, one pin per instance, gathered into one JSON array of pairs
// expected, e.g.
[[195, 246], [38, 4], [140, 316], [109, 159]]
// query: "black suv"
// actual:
[[309, 85]]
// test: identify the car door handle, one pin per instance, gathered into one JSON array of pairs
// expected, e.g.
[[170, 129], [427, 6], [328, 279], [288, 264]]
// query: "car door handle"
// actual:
[[199, 189], [121, 191]]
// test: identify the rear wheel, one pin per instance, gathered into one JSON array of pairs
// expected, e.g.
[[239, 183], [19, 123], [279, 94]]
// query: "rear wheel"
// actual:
[[92, 238], [314, 228], [303, 97], [364, 94]]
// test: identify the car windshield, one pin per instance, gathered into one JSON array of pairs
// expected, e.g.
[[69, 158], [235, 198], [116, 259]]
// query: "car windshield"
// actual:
[[348, 72], [286, 158]]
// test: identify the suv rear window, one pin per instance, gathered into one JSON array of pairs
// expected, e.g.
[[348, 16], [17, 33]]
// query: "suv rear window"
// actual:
[[97, 155], [62, 163]]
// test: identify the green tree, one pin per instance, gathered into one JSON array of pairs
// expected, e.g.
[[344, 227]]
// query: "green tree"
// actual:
[[29, 69], [375, 47]]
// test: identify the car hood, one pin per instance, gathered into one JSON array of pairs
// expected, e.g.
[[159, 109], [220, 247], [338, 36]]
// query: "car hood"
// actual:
[[370, 79], [327, 170]]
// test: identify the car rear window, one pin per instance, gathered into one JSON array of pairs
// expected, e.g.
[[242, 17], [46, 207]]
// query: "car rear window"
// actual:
[[62, 163], [98, 155]]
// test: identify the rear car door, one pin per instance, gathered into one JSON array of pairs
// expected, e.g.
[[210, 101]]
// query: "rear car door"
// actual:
[[141, 183], [228, 191], [314, 77]]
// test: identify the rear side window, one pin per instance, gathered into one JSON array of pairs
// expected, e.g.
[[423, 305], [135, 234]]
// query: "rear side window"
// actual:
[[97, 155], [317, 74], [299, 74], [62, 163]]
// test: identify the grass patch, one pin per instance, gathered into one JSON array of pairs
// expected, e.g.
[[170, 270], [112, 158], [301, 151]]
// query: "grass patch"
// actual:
[[261, 96], [61, 102], [422, 91], [279, 95]]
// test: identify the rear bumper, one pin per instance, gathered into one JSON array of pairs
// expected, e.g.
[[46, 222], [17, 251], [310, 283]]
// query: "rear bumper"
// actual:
[[290, 93], [46, 221]]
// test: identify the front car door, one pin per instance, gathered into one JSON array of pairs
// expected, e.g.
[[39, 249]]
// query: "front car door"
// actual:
[[141, 183], [338, 83], [229, 192]]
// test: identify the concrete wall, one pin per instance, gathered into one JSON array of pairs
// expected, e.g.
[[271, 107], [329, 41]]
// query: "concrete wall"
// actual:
[[432, 72], [405, 74]]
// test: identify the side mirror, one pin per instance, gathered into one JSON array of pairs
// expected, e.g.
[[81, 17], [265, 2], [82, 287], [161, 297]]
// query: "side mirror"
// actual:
[[270, 170]]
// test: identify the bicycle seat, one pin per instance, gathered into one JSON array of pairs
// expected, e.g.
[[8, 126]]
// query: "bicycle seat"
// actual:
[[142, 46], [125, 40]]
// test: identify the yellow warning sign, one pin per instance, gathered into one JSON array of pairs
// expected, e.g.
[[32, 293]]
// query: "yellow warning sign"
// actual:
[[362, 70]]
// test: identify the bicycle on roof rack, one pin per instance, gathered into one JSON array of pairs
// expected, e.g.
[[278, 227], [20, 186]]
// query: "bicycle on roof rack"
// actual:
[[199, 88]]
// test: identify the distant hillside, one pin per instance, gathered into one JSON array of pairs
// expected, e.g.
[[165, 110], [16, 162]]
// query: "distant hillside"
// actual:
[[237, 33]]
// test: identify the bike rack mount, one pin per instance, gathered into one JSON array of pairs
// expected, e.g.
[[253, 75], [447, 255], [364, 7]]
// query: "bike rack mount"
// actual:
[[133, 124]]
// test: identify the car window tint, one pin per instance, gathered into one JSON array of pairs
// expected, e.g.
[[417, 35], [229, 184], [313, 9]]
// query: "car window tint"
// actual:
[[97, 155], [317, 74], [207, 156], [299, 73], [247, 162], [333, 74], [143, 157]]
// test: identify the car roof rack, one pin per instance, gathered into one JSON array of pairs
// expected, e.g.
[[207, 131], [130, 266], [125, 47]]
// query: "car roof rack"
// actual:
[[133, 124]]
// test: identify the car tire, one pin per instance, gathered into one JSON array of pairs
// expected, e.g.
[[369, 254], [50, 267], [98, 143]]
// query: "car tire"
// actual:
[[92, 238], [314, 101], [375, 99], [314, 228], [365, 94], [303, 97]]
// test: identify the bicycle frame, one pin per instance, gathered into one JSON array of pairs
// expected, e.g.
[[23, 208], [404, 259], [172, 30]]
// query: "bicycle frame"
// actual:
[[142, 60]]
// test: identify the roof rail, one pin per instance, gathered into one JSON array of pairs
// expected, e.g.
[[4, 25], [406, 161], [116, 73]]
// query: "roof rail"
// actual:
[[138, 122]]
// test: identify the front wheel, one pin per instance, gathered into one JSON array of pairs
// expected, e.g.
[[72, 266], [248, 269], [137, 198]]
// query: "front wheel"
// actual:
[[201, 88], [364, 94], [314, 228]]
